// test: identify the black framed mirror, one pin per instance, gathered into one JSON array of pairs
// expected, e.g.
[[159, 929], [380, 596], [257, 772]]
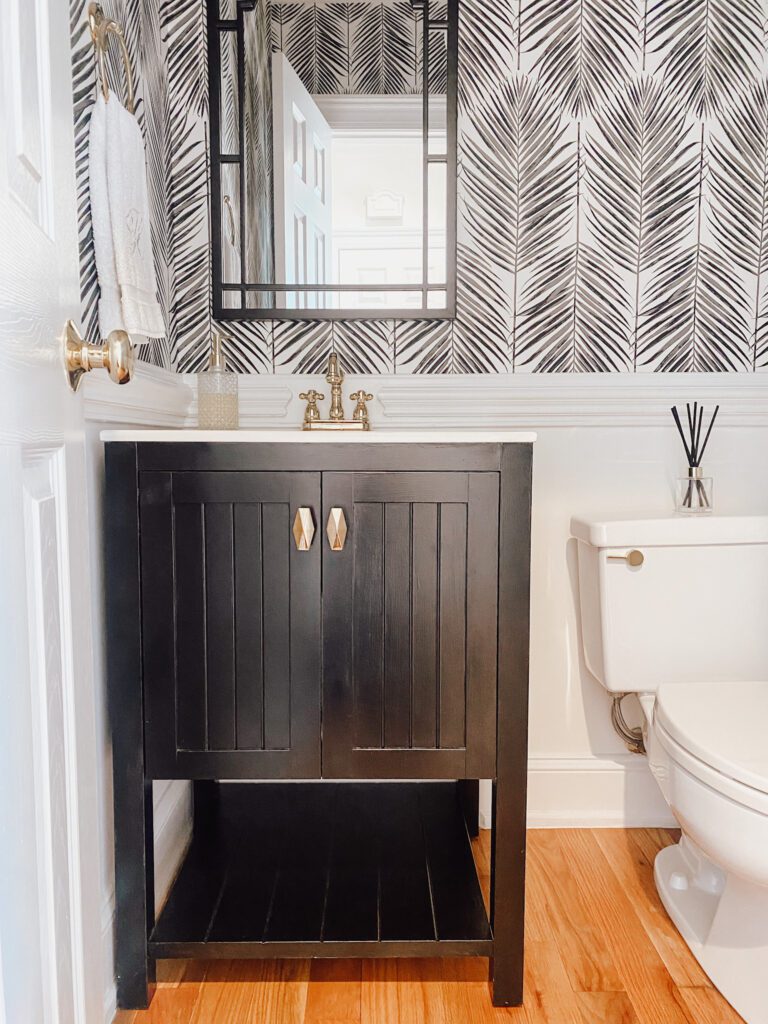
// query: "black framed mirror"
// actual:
[[333, 158]]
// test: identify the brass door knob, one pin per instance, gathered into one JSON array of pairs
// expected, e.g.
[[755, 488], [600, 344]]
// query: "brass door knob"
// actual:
[[115, 356]]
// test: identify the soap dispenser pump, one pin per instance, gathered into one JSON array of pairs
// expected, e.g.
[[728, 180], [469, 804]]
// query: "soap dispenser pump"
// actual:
[[217, 406]]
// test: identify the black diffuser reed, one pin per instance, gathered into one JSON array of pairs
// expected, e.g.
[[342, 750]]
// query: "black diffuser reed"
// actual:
[[696, 496]]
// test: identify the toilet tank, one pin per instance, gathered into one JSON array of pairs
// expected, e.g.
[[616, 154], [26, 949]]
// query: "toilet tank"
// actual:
[[696, 609]]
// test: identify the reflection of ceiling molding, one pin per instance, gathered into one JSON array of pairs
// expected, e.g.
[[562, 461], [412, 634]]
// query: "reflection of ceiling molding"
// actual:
[[381, 114]]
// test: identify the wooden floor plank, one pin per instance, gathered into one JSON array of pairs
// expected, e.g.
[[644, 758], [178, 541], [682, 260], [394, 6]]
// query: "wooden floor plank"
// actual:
[[179, 985], [281, 997], [253, 992], [548, 996], [634, 870], [466, 996], [708, 1007], [335, 992], [651, 840], [607, 1008], [538, 914], [586, 952], [379, 996], [643, 975], [228, 994], [599, 950]]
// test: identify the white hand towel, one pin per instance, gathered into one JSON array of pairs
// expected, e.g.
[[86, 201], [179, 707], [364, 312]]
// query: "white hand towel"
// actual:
[[110, 308], [121, 233]]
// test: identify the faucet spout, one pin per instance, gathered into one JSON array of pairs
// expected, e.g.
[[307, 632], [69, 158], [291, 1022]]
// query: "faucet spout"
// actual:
[[335, 378]]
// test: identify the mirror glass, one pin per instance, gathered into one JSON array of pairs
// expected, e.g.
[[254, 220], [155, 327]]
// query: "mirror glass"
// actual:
[[333, 157]]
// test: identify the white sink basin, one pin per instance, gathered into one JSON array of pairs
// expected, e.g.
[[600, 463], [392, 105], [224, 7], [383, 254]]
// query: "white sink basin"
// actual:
[[296, 436]]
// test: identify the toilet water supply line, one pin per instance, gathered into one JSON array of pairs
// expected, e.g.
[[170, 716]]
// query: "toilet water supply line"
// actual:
[[632, 736]]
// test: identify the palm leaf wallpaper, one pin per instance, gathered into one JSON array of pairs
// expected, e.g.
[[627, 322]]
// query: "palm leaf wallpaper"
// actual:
[[613, 182]]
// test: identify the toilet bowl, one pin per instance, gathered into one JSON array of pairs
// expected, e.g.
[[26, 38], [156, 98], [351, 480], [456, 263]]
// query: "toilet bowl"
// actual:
[[706, 726], [714, 882]]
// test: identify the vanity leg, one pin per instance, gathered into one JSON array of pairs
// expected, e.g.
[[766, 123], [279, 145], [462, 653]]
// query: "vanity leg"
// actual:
[[509, 788], [469, 798], [507, 904], [134, 836], [135, 897]]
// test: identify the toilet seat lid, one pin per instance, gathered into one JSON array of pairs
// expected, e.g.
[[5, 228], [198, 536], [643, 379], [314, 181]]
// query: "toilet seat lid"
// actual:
[[724, 724]]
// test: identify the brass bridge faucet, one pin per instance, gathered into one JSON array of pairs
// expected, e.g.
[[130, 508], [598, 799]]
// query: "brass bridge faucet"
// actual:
[[336, 421]]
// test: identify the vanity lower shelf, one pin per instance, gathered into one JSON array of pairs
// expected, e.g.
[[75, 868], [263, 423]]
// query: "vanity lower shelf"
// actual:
[[328, 869]]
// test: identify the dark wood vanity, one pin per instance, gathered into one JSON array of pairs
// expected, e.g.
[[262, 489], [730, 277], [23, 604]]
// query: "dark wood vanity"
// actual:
[[273, 668]]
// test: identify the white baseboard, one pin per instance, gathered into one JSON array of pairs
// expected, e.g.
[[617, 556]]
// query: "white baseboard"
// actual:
[[595, 792], [589, 792]]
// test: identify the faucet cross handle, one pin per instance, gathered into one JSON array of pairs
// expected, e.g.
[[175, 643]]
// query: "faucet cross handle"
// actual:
[[361, 409], [311, 397]]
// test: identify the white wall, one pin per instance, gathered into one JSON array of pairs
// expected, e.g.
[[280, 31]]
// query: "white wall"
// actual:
[[154, 398], [607, 447]]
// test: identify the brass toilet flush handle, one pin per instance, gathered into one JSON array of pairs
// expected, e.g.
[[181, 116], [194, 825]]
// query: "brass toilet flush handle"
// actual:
[[115, 355], [634, 558]]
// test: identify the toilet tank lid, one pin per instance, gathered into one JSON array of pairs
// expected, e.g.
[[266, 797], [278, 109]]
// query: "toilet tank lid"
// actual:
[[672, 530]]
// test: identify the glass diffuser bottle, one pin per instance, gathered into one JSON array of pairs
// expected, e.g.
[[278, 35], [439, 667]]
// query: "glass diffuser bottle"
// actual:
[[217, 407]]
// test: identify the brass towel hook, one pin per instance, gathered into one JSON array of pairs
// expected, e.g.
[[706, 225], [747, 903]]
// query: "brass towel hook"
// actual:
[[100, 27]]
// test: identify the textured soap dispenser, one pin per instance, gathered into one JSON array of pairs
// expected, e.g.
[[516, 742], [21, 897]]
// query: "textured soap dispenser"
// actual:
[[217, 407]]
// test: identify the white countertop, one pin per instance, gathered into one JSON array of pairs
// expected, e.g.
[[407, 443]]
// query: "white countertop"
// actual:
[[295, 435]]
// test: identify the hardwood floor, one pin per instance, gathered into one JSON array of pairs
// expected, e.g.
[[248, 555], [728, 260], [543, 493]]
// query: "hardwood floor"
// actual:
[[599, 950]]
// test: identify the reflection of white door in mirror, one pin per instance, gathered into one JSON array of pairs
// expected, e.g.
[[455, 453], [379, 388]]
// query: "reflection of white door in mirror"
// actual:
[[302, 177]]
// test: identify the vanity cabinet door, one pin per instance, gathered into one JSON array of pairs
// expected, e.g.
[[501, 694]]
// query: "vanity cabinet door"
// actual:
[[230, 625], [410, 625]]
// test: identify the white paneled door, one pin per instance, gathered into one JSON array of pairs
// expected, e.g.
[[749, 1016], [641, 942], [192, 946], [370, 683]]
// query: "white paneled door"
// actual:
[[302, 141], [50, 969]]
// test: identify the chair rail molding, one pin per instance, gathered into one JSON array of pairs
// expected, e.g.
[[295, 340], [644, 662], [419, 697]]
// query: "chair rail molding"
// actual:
[[564, 400], [530, 401], [154, 398]]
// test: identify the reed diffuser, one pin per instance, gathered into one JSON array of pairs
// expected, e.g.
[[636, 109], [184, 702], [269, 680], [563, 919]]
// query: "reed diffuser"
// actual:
[[694, 491]]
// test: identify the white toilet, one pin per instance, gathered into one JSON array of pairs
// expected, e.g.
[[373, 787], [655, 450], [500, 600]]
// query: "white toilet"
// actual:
[[683, 623]]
